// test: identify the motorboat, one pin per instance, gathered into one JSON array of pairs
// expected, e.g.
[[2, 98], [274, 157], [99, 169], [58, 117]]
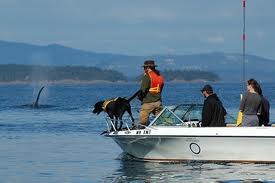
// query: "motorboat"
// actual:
[[175, 134]]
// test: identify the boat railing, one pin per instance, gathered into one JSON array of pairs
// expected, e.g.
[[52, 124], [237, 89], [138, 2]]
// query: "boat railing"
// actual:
[[184, 115], [175, 117], [111, 123], [126, 121], [187, 115]]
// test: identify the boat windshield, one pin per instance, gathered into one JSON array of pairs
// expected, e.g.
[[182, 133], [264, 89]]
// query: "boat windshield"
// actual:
[[178, 115]]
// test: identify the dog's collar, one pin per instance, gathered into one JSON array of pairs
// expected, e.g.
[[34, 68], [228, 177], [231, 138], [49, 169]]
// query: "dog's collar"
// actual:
[[106, 102]]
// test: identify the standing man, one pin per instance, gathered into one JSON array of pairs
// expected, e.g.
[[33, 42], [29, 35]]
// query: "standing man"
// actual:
[[150, 92], [213, 112]]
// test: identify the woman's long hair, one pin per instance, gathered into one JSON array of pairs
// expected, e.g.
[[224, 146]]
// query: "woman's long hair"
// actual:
[[255, 85]]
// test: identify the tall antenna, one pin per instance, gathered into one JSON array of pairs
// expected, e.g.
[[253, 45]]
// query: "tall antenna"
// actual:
[[244, 37]]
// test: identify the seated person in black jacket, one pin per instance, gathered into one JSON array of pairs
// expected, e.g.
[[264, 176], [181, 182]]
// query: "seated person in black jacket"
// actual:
[[264, 116], [213, 112]]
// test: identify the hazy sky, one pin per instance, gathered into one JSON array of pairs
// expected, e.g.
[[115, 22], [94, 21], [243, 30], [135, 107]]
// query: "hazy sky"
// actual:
[[142, 27]]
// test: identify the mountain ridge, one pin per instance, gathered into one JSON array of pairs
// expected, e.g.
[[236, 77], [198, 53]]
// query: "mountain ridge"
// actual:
[[227, 65]]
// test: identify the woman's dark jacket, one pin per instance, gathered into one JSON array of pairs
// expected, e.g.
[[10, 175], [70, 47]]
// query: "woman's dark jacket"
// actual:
[[213, 112]]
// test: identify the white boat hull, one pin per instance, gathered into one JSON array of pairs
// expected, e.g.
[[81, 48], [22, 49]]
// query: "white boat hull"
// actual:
[[231, 144]]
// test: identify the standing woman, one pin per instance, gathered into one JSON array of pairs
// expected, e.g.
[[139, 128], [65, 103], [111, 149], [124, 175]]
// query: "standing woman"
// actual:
[[251, 104]]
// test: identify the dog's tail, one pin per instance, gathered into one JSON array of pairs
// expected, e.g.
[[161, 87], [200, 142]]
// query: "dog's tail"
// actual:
[[134, 96]]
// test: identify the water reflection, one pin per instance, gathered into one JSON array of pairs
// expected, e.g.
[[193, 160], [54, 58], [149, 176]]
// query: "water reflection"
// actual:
[[130, 170], [245, 181]]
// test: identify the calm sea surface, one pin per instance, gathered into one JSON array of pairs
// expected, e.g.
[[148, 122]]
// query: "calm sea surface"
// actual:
[[60, 142]]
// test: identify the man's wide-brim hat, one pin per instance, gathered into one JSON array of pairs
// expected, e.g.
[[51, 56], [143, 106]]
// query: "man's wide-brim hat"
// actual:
[[149, 63]]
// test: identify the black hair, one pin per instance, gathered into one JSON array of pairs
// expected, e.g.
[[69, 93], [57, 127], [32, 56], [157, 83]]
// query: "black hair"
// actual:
[[255, 85], [209, 92]]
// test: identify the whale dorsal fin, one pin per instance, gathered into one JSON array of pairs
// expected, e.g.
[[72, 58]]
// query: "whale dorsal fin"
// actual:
[[35, 104]]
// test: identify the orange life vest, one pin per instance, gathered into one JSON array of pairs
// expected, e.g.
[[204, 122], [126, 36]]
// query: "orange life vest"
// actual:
[[157, 82]]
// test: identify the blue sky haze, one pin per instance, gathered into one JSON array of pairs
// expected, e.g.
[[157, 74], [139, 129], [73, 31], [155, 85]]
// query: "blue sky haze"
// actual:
[[142, 27]]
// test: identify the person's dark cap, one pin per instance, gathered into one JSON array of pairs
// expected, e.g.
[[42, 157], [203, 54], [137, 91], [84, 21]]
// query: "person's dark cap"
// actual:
[[149, 63], [207, 88]]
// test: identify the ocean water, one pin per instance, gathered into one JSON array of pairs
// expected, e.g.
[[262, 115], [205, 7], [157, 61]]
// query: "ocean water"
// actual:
[[61, 141]]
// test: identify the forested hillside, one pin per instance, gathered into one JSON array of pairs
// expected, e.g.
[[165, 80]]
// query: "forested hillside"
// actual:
[[29, 73], [12, 72], [187, 76]]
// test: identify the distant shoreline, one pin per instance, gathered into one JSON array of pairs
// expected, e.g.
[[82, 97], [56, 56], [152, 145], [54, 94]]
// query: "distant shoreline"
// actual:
[[62, 82], [18, 74], [76, 82]]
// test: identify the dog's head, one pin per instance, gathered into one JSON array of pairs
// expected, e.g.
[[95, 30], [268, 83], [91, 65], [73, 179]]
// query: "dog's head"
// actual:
[[98, 107]]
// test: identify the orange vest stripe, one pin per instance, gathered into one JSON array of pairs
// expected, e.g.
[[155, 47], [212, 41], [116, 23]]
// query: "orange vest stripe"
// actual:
[[156, 83]]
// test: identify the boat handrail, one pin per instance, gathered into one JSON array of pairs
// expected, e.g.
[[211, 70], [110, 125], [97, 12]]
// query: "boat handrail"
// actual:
[[190, 107], [159, 114], [111, 123], [188, 110], [109, 120], [190, 122], [172, 113], [176, 116]]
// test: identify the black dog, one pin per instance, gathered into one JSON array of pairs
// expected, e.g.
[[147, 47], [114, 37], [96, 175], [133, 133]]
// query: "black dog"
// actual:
[[115, 108]]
